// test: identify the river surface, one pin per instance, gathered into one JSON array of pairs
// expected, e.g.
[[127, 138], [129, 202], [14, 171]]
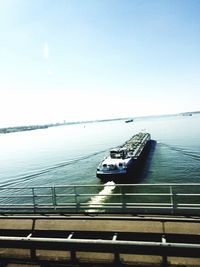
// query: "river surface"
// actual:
[[70, 154]]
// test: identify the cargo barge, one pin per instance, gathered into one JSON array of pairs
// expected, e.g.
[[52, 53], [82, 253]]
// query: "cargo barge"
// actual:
[[130, 120], [123, 159]]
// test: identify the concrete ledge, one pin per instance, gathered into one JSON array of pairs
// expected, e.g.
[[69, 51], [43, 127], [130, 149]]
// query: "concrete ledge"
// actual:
[[141, 259], [182, 228], [95, 257], [183, 261], [15, 253], [99, 225], [19, 224], [54, 255]]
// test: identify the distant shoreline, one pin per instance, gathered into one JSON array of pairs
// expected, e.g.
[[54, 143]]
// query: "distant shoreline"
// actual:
[[6, 130]]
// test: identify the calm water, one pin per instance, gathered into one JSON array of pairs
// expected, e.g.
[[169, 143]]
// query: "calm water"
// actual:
[[70, 154]]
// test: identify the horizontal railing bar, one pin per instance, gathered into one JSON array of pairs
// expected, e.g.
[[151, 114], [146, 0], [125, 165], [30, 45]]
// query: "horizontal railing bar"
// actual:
[[17, 205], [106, 204], [36, 205], [102, 185], [25, 196], [129, 204], [125, 194], [188, 208], [188, 204], [66, 195], [149, 204], [39, 208], [66, 203], [147, 194], [81, 194], [88, 194], [85, 209], [30, 196], [66, 216], [82, 205], [96, 204], [42, 195], [186, 194], [102, 242], [24, 205]]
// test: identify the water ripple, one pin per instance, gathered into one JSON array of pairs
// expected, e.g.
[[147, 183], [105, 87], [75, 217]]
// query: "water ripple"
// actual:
[[37, 173], [186, 152]]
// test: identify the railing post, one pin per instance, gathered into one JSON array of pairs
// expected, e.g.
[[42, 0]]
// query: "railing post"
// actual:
[[76, 199], [34, 204], [173, 200], [53, 197], [164, 256], [123, 199]]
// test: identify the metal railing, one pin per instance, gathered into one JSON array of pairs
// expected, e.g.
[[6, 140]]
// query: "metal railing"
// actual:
[[114, 246], [110, 248], [183, 199]]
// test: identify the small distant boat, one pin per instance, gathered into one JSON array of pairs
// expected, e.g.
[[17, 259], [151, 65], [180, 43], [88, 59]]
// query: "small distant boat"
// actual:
[[124, 158], [187, 114], [129, 120]]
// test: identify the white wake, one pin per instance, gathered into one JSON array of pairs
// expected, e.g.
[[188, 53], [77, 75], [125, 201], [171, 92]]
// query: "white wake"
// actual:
[[97, 201]]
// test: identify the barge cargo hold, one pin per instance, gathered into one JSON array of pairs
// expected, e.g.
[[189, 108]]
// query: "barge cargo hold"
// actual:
[[123, 159]]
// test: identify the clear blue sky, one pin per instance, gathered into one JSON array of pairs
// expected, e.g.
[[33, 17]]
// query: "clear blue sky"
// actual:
[[92, 59]]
